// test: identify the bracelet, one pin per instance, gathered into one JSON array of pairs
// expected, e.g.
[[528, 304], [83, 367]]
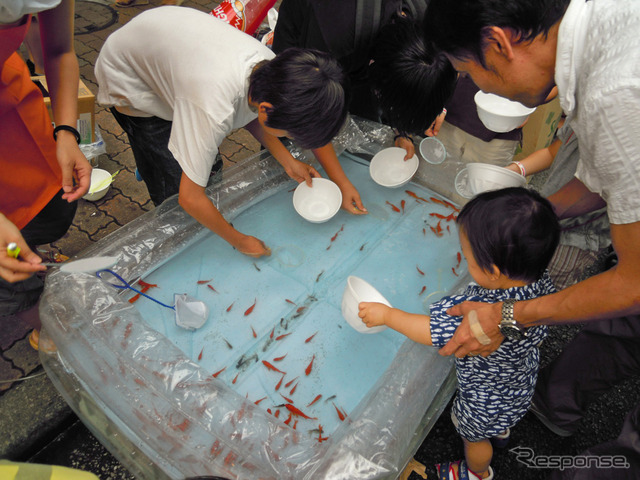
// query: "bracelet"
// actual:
[[523, 171], [403, 135], [68, 129]]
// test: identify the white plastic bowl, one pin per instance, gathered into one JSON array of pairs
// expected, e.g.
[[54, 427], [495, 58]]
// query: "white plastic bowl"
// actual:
[[484, 177], [356, 291], [500, 114], [433, 150], [98, 176], [389, 169], [318, 203]]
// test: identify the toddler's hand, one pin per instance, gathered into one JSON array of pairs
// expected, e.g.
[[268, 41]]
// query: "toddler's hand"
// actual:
[[372, 314]]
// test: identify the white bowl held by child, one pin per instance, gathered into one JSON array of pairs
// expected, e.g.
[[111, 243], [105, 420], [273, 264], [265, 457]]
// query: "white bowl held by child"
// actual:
[[484, 177], [389, 168], [356, 291]]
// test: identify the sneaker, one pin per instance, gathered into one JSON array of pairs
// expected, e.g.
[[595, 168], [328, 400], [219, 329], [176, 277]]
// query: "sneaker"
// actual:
[[561, 432]]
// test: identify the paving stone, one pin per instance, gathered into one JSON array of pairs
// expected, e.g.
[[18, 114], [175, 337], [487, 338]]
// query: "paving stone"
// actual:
[[73, 242], [123, 209], [23, 356], [89, 218], [8, 372], [12, 329]]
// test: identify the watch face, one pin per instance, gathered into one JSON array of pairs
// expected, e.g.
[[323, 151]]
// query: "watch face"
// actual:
[[511, 332]]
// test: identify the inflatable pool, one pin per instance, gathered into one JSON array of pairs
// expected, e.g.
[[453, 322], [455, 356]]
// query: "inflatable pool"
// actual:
[[275, 384]]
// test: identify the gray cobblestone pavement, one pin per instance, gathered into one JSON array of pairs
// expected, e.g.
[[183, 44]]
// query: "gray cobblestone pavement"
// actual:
[[36, 425]]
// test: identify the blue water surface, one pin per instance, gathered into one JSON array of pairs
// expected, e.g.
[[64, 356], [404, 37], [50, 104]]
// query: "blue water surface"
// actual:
[[297, 294]]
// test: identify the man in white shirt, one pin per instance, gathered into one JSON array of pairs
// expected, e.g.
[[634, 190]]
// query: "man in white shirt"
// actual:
[[179, 80], [590, 50]]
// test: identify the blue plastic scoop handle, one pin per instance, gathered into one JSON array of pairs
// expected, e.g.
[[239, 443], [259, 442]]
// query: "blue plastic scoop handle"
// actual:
[[124, 285]]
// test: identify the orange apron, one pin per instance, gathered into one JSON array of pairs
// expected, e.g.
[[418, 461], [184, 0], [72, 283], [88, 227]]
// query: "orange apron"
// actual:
[[29, 172]]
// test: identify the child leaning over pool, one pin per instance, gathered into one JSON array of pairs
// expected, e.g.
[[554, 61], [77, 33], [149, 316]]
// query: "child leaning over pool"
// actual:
[[508, 238]]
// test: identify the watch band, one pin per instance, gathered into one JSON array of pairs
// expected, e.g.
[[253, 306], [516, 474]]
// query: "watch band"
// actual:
[[507, 312]]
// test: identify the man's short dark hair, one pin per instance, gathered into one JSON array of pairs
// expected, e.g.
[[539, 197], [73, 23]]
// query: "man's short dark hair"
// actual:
[[308, 91], [514, 229], [459, 28], [412, 82]]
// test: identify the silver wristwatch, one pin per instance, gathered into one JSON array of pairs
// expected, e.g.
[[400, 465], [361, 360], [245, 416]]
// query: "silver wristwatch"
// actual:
[[508, 325]]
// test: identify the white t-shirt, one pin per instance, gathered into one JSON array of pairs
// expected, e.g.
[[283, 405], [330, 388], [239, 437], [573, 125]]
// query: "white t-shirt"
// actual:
[[187, 67], [13, 10], [598, 79]]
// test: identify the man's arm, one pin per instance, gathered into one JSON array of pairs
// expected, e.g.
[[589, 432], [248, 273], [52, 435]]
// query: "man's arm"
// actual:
[[611, 294], [575, 199]]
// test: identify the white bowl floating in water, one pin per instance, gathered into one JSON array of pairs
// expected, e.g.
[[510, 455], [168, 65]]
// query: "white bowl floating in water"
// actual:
[[484, 177], [317, 203], [389, 168], [500, 114], [356, 291]]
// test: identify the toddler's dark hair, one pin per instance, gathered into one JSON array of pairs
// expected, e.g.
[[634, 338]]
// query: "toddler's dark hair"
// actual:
[[514, 229], [308, 91]]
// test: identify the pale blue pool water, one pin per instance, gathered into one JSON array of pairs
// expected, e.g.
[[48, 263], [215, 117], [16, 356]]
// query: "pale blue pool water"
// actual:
[[385, 248]]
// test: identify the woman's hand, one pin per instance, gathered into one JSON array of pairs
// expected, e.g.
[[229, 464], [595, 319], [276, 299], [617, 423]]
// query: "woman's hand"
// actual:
[[434, 129], [74, 166], [372, 313], [16, 269]]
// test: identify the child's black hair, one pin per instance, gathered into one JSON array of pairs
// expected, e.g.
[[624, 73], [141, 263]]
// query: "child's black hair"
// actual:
[[412, 82], [514, 229], [308, 91]]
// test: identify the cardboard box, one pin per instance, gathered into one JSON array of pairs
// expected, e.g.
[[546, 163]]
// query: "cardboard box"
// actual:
[[86, 108], [540, 129]]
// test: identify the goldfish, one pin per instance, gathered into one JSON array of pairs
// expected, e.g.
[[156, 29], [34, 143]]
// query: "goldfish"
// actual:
[[318, 397], [393, 207], [307, 371], [271, 367], [250, 309], [296, 412]]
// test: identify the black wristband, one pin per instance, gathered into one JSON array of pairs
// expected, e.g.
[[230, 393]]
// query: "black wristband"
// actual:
[[68, 129], [403, 135]]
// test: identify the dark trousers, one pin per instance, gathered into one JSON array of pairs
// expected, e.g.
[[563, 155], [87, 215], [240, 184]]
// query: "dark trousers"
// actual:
[[51, 223], [149, 140], [602, 355]]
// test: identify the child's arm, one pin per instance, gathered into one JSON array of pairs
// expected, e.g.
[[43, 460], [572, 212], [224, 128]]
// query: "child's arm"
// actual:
[[194, 200], [414, 326], [298, 171], [351, 201], [538, 160]]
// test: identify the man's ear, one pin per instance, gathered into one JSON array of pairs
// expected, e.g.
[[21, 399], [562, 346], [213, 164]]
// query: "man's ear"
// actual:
[[500, 41]]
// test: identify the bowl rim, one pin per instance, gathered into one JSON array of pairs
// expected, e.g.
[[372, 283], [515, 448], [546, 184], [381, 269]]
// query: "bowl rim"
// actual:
[[415, 160], [366, 329], [495, 168], [303, 185], [430, 140], [484, 95]]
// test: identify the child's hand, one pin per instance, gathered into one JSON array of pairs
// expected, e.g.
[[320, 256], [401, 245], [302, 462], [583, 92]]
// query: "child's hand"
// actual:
[[372, 313], [301, 172], [407, 144], [253, 247], [351, 201], [434, 129]]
